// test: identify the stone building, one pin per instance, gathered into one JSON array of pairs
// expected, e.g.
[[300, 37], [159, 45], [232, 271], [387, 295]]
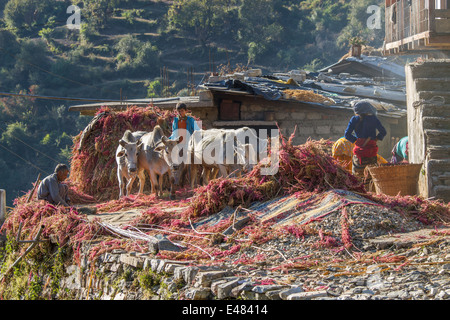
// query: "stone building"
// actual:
[[235, 109]]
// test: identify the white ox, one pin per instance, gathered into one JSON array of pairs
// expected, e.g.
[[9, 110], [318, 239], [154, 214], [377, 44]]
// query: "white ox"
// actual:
[[222, 150], [127, 160]]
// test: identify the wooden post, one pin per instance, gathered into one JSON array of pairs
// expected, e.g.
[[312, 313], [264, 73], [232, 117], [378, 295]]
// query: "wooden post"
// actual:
[[2, 205], [38, 180], [431, 16], [33, 244]]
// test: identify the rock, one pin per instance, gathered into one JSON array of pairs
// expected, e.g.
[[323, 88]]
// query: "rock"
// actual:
[[238, 290], [284, 294], [165, 244], [416, 293], [73, 281], [154, 263], [265, 288], [205, 278], [433, 292], [178, 273], [442, 295], [215, 284], [120, 296], [367, 292], [170, 268], [224, 289], [307, 295], [131, 260], [273, 295], [111, 258], [189, 274], [400, 294], [198, 294], [170, 284], [161, 266]]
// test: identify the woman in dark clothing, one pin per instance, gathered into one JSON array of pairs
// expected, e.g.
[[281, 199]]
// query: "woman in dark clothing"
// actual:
[[365, 125]]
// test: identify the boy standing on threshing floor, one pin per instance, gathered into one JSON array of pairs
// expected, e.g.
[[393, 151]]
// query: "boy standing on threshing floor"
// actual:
[[183, 126], [183, 121], [53, 190], [365, 124]]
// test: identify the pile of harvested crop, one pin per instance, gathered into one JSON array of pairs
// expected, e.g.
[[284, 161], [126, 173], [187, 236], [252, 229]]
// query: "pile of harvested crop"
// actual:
[[93, 164], [302, 168], [232, 192], [308, 168], [427, 211], [307, 96], [61, 224]]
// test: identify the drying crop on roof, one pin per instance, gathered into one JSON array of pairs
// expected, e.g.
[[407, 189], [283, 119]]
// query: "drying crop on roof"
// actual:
[[307, 96]]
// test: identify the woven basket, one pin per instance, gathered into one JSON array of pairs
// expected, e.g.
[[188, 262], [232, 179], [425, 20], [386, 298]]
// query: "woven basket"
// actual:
[[395, 179]]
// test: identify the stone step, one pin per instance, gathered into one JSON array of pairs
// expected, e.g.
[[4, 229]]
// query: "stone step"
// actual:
[[437, 137], [439, 151], [438, 167], [435, 110], [432, 84], [442, 192], [441, 180], [428, 95], [436, 123], [439, 68]]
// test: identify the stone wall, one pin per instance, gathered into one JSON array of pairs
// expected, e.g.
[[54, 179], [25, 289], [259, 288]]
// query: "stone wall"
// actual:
[[207, 115], [311, 121], [121, 275], [428, 99]]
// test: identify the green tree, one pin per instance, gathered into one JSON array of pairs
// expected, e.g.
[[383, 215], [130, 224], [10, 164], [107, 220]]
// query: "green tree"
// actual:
[[97, 12], [154, 89], [8, 49], [27, 16], [357, 25], [135, 55], [30, 62], [203, 18], [262, 29]]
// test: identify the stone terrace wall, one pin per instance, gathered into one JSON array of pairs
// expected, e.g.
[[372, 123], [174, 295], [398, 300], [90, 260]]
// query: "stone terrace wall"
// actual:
[[119, 275]]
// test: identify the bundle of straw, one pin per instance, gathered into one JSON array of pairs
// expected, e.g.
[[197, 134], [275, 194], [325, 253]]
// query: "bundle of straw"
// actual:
[[93, 164]]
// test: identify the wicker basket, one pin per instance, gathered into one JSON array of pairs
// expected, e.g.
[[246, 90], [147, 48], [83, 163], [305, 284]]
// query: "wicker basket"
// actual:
[[394, 179]]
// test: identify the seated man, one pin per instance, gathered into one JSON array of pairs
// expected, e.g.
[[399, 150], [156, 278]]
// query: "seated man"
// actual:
[[53, 190]]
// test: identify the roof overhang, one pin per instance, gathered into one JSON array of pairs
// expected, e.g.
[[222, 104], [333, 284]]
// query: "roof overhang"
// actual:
[[163, 103]]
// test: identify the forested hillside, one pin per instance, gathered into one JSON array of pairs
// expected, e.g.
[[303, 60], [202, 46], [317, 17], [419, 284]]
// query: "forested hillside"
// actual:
[[123, 48]]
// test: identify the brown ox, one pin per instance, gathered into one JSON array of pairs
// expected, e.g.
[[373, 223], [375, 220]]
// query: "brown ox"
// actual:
[[155, 158]]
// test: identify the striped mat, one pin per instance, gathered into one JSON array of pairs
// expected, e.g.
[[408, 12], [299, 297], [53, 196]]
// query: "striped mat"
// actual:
[[291, 209]]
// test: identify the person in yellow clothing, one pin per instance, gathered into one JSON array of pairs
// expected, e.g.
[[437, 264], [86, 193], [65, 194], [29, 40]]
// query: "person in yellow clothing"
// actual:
[[342, 151]]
